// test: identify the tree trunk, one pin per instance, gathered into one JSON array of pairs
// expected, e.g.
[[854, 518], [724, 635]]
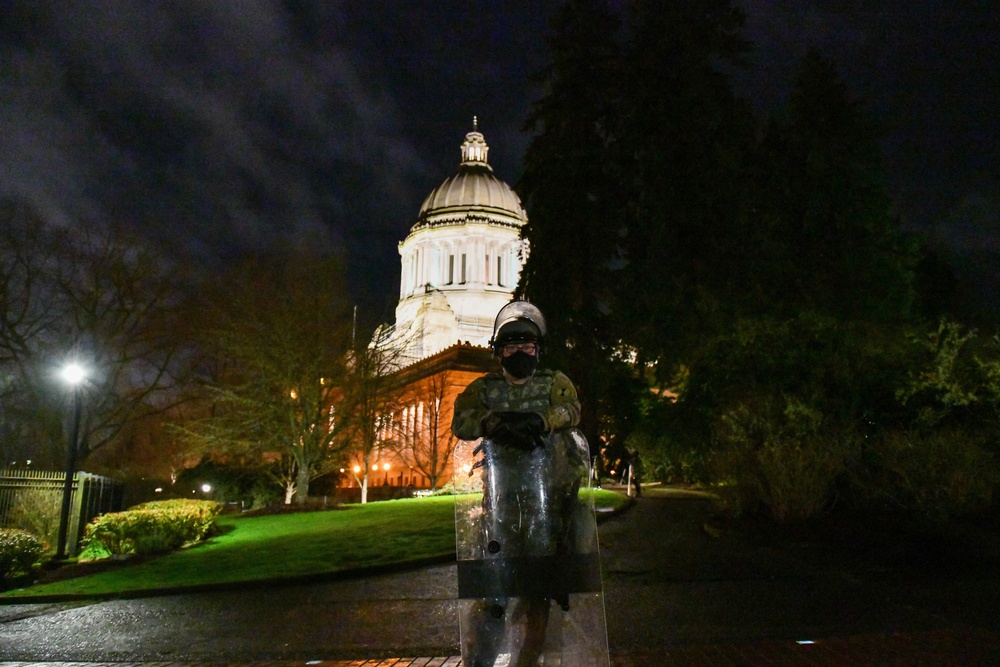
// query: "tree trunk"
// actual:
[[302, 485], [364, 488]]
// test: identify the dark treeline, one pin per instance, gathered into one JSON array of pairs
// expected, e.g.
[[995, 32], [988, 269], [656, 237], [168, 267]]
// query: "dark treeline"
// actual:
[[734, 294]]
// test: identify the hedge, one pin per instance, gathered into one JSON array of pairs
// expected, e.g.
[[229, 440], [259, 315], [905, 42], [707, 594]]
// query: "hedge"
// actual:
[[19, 551], [151, 528], [198, 516]]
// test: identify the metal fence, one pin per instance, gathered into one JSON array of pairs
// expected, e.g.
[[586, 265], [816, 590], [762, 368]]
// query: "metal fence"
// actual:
[[32, 500]]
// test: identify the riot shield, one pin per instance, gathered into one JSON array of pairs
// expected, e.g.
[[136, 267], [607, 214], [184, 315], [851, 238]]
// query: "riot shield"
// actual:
[[529, 574]]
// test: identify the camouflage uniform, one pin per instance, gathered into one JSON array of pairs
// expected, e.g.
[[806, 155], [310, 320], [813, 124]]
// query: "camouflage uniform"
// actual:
[[529, 503], [549, 393]]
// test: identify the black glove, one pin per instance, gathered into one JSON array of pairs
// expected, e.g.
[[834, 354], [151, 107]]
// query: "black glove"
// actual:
[[517, 429]]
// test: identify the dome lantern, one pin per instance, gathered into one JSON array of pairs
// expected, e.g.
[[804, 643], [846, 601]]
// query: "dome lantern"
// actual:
[[474, 148]]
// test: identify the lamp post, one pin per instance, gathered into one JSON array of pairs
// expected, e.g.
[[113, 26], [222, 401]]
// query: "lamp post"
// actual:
[[74, 376]]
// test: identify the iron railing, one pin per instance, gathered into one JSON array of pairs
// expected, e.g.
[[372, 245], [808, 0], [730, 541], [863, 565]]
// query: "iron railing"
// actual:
[[31, 500]]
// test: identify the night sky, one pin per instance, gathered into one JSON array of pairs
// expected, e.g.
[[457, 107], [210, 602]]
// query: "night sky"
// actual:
[[215, 128]]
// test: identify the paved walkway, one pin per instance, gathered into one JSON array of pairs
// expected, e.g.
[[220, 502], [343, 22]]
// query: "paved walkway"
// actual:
[[938, 648], [678, 597]]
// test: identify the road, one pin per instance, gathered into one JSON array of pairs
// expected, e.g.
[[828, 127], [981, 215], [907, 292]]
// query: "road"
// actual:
[[668, 584]]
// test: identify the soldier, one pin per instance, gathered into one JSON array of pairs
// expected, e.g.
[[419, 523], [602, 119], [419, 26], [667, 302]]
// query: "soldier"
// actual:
[[533, 460]]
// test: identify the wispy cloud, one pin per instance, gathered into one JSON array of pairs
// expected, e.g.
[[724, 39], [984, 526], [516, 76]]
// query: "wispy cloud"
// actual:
[[214, 126]]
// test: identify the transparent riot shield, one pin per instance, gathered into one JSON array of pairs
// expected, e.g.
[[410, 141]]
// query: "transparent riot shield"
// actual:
[[529, 574]]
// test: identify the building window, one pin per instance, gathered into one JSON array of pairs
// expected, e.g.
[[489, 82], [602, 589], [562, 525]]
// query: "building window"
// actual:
[[463, 268], [499, 272], [487, 271], [451, 269]]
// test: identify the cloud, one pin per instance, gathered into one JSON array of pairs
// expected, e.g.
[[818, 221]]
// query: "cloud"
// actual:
[[219, 128], [214, 127]]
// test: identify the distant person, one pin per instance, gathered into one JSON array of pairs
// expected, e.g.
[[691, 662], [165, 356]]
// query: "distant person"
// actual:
[[531, 466], [634, 472]]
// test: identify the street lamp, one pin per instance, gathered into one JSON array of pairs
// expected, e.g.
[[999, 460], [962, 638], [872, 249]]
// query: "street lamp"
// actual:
[[74, 375]]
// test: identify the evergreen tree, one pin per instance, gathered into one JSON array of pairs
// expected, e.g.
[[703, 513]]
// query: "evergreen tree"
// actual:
[[570, 188], [632, 184], [833, 241], [684, 140]]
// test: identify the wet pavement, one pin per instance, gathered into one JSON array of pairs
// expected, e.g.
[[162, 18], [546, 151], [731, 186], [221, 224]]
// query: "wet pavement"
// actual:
[[408, 613], [675, 594]]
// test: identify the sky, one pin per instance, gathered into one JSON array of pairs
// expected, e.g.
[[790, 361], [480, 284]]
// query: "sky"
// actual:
[[217, 128]]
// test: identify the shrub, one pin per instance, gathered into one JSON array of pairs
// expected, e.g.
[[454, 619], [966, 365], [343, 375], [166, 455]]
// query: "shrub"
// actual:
[[955, 380], [135, 531], [773, 395], [151, 528], [668, 459], [19, 551], [933, 475], [37, 511], [197, 517], [778, 455]]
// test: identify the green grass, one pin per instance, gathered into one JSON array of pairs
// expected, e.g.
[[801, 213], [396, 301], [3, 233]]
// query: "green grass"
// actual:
[[290, 545]]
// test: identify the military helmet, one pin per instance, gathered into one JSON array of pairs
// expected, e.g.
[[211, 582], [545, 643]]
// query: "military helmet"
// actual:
[[517, 322]]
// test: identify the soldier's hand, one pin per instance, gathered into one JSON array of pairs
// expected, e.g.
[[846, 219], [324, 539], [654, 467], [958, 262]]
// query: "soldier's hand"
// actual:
[[501, 433], [526, 424], [518, 429], [489, 424]]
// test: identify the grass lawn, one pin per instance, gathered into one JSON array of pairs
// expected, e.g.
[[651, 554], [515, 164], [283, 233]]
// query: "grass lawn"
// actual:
[[290, 545]]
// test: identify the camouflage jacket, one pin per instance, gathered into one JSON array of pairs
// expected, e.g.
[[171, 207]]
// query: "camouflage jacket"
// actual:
[[549, 393]]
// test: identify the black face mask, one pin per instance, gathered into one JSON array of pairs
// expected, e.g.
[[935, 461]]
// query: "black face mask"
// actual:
[[520, 364]]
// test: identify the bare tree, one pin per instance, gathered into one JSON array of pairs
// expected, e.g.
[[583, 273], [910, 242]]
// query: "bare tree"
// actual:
[[125, 308], [28, 250], [370, 396], [29, 316], [278, 332], [423, 427], [95, 295]]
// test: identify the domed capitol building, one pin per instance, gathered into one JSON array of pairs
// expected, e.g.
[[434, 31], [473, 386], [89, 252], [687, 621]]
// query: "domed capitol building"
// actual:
[[460, 264], [461, 260]]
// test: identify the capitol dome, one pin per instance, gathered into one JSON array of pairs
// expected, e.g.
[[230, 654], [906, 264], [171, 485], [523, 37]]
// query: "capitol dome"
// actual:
[[462, 259], [473, 189]]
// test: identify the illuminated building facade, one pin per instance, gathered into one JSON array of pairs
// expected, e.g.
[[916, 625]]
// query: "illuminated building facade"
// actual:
[[461, 262]]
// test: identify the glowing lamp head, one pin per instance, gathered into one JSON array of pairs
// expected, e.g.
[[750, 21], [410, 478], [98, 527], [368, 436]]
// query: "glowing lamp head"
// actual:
[[74, 374]]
